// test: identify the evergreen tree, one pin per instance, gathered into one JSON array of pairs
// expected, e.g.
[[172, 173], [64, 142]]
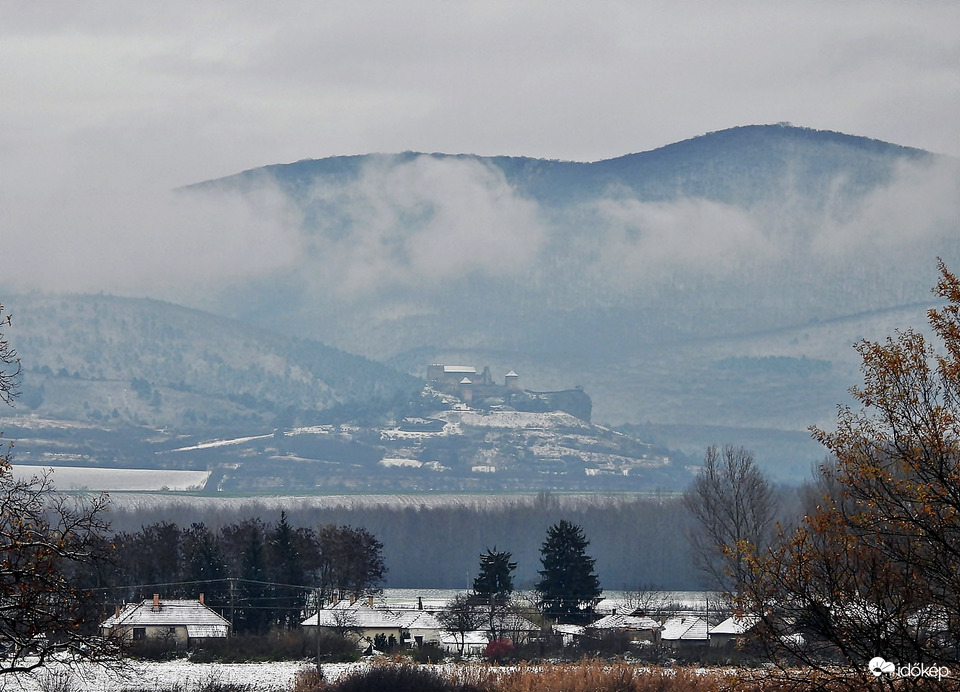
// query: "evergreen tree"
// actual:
[[287, 573], [495, 579], [568, 588], [251, 595]]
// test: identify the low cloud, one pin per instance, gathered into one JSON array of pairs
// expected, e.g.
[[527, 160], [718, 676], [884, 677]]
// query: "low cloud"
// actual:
[[164, 244], [642, 242], [422, 222], [920, 206]]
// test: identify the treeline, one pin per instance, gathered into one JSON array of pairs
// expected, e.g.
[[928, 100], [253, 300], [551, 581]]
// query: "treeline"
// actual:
[[638, 542], [258, 575]]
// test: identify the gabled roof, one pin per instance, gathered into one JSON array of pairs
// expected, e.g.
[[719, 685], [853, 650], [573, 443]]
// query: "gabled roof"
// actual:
[[418, 620], [362, 616], [625, 622], [574, 630], [686, 628], [189, 613], [735, 625]]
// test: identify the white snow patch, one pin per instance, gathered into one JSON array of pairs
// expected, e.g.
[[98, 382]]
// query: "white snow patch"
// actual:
[[390, 462], [222, 443], [68, 478], [513, 419]]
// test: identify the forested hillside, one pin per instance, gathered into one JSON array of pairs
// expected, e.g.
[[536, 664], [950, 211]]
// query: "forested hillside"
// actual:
[[129, 361]]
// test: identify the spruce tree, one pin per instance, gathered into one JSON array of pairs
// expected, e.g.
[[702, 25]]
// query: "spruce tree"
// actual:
[[569, 589], [495, 579]]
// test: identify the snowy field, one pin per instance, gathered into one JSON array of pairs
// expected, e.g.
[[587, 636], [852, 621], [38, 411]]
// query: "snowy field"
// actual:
[[94, 479], [151, 676]]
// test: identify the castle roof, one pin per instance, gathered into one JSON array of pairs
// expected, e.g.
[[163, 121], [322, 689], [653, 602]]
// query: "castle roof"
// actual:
[[460, 369]]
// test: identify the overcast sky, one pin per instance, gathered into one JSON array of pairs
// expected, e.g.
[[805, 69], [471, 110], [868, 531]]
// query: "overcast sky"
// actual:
[[103, 100]]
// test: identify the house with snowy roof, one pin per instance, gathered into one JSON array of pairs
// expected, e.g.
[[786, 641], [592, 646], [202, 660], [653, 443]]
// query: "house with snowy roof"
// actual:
[[639, 627], [685, 633], [730, 633], [363, 621], [359, 620], [177, 622]]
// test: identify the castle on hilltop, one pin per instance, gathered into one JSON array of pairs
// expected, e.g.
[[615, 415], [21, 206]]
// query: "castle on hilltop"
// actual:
[[480, 390]]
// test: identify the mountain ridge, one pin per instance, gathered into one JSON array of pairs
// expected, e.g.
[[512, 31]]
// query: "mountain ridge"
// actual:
[[713, 283]]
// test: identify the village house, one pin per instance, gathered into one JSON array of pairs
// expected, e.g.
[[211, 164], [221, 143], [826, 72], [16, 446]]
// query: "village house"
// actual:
[[732, 632], [179, 623], [641, 628], [686, 634], [363, 621]]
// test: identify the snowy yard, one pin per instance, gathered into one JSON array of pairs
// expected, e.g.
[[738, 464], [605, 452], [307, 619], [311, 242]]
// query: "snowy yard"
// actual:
[[152, 676]]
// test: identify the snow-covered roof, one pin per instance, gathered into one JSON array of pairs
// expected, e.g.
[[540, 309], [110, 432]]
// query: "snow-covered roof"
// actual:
[[190, 613], [735, 625], [684, 627], [418, 620], [358, 615], [511, 622], [575, 630], [625, 622]]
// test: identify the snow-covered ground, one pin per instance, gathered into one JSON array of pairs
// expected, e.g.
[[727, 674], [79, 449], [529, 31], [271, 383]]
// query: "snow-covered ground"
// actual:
[[181, 675], [70, 478]]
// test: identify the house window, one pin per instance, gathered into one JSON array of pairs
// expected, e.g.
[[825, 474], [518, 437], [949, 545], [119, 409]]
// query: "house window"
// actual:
[[139, 633]]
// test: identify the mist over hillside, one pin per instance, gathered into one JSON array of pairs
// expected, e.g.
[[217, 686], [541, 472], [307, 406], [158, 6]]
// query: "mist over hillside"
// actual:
[[707, 291], [694, 283]]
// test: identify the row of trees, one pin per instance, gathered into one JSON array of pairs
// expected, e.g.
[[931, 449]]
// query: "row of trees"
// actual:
[[867, 579], [568, 589], [259, 575]]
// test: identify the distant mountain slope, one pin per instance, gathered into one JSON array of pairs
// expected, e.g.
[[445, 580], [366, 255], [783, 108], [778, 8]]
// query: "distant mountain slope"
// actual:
[[639, 277], [713, 284], [142, 361]]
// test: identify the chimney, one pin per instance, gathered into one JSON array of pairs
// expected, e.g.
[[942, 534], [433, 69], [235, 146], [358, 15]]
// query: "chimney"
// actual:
[[336, 598], [353, 598], [419, 603], [201, 599], [370, 601], [156, 601], [116, 614]]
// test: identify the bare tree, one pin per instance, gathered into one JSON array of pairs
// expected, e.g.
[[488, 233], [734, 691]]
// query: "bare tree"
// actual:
[[459, 617], [47, 541], [734, 506], [345, 623]]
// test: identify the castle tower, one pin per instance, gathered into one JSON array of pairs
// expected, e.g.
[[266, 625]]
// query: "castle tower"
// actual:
[[466, 390], [512, 381], [435, 372]]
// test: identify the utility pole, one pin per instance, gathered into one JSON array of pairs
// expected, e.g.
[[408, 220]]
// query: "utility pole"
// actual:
[[232, 581]]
